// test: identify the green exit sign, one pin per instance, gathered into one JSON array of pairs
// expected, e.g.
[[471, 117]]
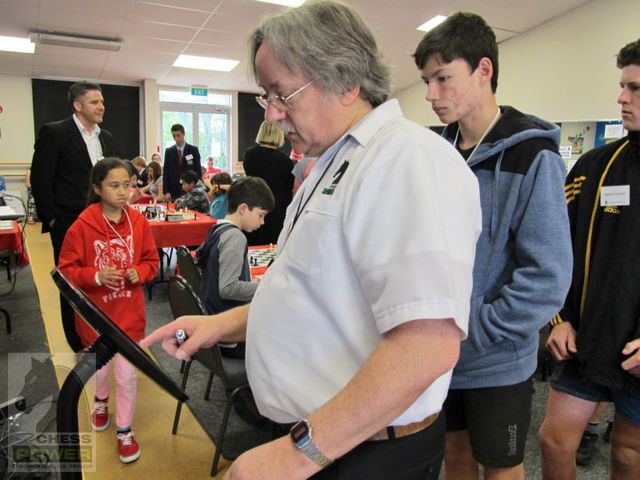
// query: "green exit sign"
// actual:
[[199, 92]]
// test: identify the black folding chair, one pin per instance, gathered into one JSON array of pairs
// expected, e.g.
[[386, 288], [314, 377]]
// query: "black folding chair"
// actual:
[[188, 268], [184, 301]]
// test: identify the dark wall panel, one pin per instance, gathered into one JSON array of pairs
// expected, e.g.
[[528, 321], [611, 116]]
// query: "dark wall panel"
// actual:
[[121, 117], [250, 117]]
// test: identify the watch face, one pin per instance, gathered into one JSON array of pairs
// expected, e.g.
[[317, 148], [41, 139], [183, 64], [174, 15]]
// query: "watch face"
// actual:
[[299, 431]]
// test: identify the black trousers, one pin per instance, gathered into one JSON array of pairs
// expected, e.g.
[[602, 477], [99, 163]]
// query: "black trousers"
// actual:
[[57, 233], [415, 457]]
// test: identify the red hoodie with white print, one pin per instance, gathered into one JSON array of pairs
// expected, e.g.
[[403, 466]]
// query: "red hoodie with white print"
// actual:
[[92, 243]]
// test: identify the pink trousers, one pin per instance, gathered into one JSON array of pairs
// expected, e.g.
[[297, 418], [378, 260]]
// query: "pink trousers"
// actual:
[[126, 388]]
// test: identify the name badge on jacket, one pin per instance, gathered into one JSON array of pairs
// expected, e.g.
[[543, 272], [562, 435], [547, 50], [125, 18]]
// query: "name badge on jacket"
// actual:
[[615, 195], [189, 159]]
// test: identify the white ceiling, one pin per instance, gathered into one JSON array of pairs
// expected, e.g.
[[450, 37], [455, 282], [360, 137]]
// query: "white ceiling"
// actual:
[[155, 32]]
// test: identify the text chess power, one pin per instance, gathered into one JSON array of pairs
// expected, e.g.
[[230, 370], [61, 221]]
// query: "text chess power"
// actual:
[[261, 257]]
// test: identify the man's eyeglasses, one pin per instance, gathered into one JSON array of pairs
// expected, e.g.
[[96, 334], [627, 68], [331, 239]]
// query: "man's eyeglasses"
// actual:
[[278, 101]]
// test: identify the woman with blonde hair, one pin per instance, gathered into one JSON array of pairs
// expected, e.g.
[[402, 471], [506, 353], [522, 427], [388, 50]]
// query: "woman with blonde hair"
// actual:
[[274, 167]]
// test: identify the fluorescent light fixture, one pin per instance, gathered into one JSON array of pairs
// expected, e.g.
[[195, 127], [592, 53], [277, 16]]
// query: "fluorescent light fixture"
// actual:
[[433, 23], [205, 63], [16, 44], [286, 3], [76, 41]]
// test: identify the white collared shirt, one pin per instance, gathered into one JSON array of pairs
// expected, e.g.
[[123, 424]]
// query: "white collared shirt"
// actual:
[[92, 139], [392, 241]]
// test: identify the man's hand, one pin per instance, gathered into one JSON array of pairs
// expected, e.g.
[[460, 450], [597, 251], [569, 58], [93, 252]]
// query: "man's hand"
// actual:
[[562, 341], [132, 276], [202, 331], [632, 364], [276, 459], [111, 277]]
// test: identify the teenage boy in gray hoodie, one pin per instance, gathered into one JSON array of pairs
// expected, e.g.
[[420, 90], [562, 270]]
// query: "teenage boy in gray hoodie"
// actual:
[[523, 258]]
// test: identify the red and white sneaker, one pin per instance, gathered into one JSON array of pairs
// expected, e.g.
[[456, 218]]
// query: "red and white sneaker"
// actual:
[[128, 447], [100, 415]]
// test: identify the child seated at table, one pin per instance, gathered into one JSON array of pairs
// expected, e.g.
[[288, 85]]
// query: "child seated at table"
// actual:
[[223, 256], [140, 164], [194, 197], [134, 192], [154, 187], [220, 183]]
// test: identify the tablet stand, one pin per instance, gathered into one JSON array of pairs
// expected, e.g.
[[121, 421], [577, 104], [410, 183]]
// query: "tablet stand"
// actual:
[[112, 340], [67, 413]]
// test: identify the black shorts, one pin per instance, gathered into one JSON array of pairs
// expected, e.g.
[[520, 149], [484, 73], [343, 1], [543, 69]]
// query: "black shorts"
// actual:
[[497, 419]]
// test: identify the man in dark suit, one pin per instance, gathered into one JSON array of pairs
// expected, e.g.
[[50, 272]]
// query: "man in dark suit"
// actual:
[[64, 153], [177, 159]]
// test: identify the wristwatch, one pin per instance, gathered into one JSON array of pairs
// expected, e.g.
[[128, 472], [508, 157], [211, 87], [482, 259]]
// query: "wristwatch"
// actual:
[[301, 436]]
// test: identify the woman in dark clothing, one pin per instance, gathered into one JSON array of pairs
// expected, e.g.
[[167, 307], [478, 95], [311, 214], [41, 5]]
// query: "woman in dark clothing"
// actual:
[[274, 167]]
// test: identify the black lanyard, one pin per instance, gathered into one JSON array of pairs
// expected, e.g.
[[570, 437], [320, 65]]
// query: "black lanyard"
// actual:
[[301, 205]]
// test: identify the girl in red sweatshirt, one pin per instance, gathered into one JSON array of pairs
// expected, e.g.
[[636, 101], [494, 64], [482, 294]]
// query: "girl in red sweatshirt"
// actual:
[[109, 253]]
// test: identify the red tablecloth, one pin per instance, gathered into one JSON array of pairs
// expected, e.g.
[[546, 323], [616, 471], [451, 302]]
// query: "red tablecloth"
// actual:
[[187, 232], [12, 240]]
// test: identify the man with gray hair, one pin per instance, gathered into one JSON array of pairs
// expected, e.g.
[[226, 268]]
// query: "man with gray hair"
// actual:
[[354, 330]]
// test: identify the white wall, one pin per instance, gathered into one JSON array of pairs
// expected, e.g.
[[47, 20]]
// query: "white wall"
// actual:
[[16, 125], [16, 120], [151, 119], [562, 70]]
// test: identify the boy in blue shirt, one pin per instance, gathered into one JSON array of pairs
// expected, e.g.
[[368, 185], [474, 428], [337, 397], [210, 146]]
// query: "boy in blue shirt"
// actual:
[[223, 256], [220, 183]]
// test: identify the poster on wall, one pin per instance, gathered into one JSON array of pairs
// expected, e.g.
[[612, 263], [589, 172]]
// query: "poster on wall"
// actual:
[[577, 143], [608, 131]]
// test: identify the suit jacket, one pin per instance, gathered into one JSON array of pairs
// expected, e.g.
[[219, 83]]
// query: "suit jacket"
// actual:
[[60, 171], [172, 170]]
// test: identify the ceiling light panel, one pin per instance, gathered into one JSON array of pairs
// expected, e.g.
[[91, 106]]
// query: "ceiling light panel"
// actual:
[[432, 23], [16, 44], [286, 3], [205, 63]]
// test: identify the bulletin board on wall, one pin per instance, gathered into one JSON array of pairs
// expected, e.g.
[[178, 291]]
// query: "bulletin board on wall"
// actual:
[[578, 137], [121, 118], [250, 117]]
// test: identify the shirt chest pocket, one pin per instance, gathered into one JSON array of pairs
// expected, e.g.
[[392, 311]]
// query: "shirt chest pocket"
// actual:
[[313, 241]]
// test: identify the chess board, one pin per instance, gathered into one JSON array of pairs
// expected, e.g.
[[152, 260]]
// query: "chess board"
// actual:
[[151, 212], [260, 257]]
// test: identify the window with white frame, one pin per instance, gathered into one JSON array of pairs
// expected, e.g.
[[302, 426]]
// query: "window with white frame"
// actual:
[[206, 120]]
